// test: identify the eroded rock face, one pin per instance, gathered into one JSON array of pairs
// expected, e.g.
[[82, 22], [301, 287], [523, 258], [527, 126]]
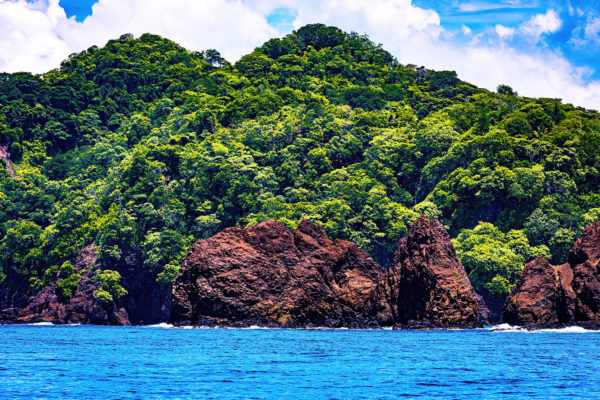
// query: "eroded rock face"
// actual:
[[543, 296], [427, 284], [548, 296], [490, 307], [267, 275], [82, 307]]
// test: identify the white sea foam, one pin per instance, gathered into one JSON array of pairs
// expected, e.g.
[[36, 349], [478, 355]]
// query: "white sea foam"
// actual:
[[507, 328], [512, 328], [163, 325], [570, 329], [41, 324]]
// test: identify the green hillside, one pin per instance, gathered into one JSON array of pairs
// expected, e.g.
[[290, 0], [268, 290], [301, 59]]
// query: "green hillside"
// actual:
[[142, 147]]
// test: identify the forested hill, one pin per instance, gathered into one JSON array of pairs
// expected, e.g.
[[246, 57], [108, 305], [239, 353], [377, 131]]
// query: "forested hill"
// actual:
[[141, 147]]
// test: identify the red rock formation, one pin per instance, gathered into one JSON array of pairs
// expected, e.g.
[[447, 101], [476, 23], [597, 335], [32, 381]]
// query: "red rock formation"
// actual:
[[268, 275], [555, 296], [542, 297], [82, 307], [427, 284]]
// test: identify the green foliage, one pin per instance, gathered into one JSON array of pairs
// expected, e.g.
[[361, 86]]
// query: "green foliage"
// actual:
[[68, 283], [493, 259], [143, 147], [506, 90], [169, 273], [560, 244], [110, 288]]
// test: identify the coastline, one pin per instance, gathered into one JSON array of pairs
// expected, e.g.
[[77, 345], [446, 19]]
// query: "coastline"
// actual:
[[500, 328]]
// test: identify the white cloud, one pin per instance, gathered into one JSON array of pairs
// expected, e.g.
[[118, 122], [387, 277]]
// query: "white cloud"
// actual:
[[535, 75], [37, 36], [466, 30], [592, 29], [392, 20], [480, 6], [504, 32], [542, 24], [586, 35], [28, 40]]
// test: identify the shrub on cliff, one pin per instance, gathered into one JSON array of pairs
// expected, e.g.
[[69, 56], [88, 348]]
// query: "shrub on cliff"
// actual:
[[110, 289], [68, 282]]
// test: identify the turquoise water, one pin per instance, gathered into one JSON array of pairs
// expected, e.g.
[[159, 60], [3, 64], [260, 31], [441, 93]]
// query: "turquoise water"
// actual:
[[81, 362]]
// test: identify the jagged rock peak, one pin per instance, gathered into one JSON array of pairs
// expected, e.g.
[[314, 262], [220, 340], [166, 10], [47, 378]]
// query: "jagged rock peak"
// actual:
[[587, 247], [427, 284]]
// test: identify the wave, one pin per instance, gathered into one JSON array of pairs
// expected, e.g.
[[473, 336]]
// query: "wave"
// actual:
[[255, 327], [163, 325], [40, 324], [570, 329], [515, 328]]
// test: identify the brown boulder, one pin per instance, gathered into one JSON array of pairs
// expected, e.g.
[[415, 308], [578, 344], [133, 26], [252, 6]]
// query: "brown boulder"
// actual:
[[548, 296], [543, 296], [267, 275], [427, 285]]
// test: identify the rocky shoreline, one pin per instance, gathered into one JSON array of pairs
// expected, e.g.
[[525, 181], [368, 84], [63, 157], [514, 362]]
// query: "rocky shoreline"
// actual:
[[548, 296], [268, 276]]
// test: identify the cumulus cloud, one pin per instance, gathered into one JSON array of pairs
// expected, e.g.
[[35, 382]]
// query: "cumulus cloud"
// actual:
[[542, 74], [37, 36], [28, 39], [542, 24], [230, 26], [503, 31]]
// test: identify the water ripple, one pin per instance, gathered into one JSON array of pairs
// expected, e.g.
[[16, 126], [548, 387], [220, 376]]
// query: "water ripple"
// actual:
[[73, 362]]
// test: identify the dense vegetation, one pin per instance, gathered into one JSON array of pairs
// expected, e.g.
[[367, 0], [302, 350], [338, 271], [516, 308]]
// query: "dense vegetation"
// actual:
[[142, 147]]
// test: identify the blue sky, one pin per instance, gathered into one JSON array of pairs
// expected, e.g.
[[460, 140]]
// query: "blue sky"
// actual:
[[540, 48], [78, 8], [575, 14]]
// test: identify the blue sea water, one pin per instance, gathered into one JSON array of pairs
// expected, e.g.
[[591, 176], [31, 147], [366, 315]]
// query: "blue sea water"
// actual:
[[93, 362]]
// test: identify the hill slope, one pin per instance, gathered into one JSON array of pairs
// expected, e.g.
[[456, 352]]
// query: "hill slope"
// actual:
[[141, 147]]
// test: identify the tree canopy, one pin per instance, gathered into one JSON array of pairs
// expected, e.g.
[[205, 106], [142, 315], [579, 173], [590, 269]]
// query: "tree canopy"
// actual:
[[143, 147]]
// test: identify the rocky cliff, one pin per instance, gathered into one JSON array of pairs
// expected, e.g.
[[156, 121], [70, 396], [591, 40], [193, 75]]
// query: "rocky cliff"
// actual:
[[49, 305], [427, 285], [554, 296], [146, 301], [267, 275]]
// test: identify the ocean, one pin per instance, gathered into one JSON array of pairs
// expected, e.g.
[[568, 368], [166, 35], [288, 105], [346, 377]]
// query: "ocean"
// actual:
[[156, 362]]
